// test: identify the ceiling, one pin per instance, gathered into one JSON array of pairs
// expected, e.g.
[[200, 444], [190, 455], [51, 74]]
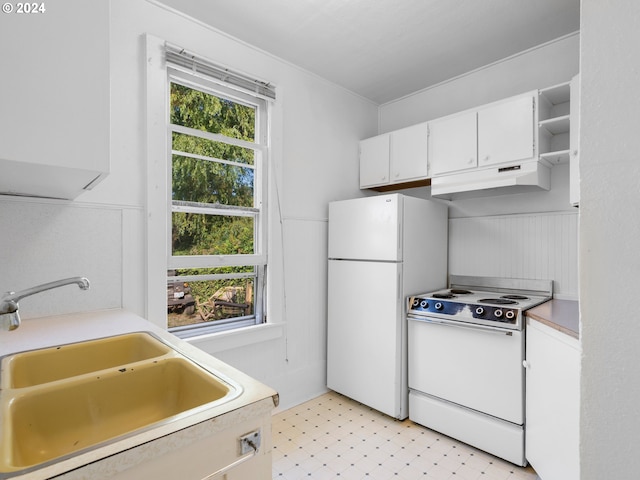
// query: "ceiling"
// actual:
[[386, 49]]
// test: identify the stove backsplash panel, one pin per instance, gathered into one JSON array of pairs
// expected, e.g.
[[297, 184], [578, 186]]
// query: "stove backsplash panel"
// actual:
[[536, 246]]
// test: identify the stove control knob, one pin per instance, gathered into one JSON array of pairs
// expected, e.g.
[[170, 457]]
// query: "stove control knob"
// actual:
[[498, 313], [439, 306], [479, 311], [424, 304], [510, 315], [415, 302]]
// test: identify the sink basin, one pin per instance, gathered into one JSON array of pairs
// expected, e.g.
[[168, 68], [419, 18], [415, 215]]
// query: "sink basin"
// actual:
[[49, 364], [62, 401]]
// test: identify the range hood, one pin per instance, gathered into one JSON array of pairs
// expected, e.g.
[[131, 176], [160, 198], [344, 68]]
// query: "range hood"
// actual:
[[46, 181], [516, 178]]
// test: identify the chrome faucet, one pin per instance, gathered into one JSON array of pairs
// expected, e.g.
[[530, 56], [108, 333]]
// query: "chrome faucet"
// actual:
[[9, 317]]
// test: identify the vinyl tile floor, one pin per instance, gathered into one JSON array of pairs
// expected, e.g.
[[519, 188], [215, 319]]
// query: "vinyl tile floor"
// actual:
[[334, 437]]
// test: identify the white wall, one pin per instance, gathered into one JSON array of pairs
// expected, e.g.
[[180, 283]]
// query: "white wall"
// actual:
[[543, 66], [316, 126], [609, 233]]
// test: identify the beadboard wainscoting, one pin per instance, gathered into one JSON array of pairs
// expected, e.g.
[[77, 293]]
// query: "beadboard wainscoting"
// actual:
[[536, 246]]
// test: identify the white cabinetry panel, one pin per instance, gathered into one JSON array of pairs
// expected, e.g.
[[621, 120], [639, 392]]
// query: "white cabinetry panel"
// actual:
[[487, 149], [374, 161], [395, 158], [409, 153], [506, 131], [193, 453], [574, 143], [553, 403], [554, 123], [453, 143], [55, 116]]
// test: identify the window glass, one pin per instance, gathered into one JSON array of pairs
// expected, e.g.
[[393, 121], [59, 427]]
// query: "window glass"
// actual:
[[216, 211], [200, 110], [211, 149], [201, 234], [198, 302], [205, 181]]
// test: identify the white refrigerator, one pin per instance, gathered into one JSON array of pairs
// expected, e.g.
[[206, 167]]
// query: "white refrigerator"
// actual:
[[381, 250]]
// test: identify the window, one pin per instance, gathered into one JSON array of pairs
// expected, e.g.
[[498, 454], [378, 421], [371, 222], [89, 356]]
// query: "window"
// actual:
[[217, 226]]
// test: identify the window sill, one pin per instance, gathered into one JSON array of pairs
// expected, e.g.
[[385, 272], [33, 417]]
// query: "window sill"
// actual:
[[240, 337]]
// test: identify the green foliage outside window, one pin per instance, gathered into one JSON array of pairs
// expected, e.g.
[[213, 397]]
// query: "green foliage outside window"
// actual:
[[224, 180]]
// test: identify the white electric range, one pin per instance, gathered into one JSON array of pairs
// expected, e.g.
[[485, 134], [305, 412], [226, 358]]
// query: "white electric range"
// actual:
[[466, 348]]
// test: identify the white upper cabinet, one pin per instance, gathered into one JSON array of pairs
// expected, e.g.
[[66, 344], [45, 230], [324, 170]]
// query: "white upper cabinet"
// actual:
[[554, 122], [409, 153], [495, 134], [374, 161], [574, 143], [506, 131], [55, 97], [394, 158], [508, 145], [453, 143]]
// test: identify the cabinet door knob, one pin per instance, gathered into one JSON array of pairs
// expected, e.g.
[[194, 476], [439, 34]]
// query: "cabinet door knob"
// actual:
[[486, 159], [471, 161], [526, 364]]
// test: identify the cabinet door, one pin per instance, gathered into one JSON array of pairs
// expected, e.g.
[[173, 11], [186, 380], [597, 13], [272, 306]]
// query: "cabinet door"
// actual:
[[552, 403], [409, 153], [374, 161], [506, 131], [453, 143], [191, 455], [55, 115], [574, 143]]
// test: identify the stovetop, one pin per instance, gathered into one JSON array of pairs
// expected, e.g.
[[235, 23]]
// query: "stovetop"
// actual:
[[487, 301]]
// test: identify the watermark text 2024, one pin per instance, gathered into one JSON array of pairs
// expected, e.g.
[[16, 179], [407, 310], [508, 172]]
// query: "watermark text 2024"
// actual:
[[24, 8]]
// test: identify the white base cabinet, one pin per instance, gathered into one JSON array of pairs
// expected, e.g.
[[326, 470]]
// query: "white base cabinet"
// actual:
[[210, 450], [552, 402]]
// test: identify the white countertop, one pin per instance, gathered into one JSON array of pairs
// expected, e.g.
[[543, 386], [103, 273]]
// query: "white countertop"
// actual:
[[49, 331]]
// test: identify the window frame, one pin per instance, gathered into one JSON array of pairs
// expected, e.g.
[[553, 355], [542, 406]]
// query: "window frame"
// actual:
[[260, 146]]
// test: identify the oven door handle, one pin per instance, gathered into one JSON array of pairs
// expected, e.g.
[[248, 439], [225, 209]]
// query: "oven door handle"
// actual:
[[468, 326]]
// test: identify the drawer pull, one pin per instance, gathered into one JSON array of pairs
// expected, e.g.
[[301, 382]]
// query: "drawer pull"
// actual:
[[249, 442]]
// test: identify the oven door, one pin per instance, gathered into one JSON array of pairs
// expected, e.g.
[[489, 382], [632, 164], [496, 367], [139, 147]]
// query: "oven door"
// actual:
[[470, 365]]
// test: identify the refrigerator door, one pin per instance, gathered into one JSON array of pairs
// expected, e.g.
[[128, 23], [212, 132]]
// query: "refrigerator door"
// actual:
[[366, 228], [365, 352]]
